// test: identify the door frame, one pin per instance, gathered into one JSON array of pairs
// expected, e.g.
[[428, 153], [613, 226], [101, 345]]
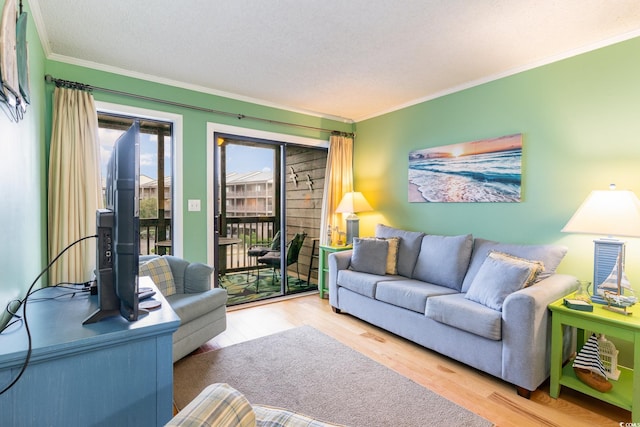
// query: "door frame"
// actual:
[[212, 129]]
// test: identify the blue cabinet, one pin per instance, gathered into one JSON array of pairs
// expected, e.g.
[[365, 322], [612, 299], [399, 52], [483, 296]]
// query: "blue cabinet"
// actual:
[[110, 373]]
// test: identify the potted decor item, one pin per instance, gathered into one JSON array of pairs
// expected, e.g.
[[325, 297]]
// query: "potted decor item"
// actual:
[[609, 357], [589, 368]]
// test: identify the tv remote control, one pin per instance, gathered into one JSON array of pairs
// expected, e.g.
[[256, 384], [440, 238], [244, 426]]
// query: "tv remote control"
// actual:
[[144, 295]]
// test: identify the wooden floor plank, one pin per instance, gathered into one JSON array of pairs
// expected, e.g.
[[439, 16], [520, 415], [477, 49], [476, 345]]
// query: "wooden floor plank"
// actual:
[[481, 393]]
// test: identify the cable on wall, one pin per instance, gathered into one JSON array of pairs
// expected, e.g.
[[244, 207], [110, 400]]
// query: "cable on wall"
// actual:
[[81, 86]]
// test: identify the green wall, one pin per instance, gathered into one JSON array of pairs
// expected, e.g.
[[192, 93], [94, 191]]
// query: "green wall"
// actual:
[[194, 131], [24, 147], [23, 185], [580, 120]]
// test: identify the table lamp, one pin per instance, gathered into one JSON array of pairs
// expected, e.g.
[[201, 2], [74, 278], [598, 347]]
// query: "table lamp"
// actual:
[[610, 213], [351, 203]]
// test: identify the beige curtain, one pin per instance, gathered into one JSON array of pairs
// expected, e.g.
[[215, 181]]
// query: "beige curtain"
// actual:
[[338, 181], [75, 189]]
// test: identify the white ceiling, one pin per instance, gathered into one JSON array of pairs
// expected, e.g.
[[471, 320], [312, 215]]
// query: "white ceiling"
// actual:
[[351, 59]]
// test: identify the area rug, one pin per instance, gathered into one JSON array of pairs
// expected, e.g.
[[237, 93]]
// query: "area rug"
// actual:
[[306, 371]]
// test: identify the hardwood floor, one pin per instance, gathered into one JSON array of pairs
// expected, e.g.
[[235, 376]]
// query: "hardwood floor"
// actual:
[[481, 393]]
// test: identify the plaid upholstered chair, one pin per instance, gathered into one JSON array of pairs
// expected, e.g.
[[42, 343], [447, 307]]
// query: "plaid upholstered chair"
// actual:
[[221, 405]]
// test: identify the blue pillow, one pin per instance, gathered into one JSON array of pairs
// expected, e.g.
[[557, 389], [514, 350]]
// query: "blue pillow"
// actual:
[[550, 255], [500, 276], [370, 256], [408, 248]]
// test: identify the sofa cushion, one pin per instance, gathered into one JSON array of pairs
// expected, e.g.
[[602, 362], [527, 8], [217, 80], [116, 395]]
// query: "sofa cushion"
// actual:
[[197, 278], [192, 306], [408, 248], [362, 283], [178, 268], [499, 276], [160, 272], [457, 311], [369, 255], [549, 255], [410, 294], [443, 260]]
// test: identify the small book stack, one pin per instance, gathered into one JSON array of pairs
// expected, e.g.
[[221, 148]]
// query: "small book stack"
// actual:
[[577, 304]]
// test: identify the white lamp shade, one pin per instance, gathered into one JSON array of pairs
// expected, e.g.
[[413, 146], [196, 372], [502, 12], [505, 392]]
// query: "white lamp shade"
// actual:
[[353, 202], [610, 213]]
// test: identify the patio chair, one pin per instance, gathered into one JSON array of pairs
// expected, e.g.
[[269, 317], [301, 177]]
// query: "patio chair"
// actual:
[[260, 250], [256, 251], [272, 258]]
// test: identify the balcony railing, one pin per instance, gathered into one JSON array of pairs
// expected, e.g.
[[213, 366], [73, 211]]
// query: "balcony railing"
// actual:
[[150, 231], [250, 230]]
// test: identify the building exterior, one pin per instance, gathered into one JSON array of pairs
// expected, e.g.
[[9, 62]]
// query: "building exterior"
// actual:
[[149, 190], [249, 194]]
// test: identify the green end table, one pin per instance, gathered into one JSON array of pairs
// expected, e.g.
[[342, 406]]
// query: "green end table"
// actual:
[[323, 266], [626, 390]]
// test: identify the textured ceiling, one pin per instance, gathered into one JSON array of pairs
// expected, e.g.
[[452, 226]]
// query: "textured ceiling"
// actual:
[[351, 59]]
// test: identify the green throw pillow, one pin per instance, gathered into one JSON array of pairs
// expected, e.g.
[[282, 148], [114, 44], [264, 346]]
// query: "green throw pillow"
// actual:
[[160, 272]]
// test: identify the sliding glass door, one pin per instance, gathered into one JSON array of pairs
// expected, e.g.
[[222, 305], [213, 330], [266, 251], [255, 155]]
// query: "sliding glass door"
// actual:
[[267, 214]]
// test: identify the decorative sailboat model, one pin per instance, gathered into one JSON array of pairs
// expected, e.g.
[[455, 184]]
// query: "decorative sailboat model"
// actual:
[[589, 368], [616, 290]]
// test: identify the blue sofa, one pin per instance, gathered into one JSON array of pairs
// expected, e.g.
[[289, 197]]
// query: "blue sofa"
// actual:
[[187, 288], [480, 302]]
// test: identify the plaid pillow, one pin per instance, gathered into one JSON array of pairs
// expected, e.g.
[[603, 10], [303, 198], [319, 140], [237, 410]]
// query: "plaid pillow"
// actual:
[[160, 272], [217, 405], [268, 416]]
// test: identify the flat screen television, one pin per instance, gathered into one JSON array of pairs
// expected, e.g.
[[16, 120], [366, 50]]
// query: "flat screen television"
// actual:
[[118, 230]]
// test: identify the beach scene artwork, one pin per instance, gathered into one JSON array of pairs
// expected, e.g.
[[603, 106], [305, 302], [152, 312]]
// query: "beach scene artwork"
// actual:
[[487, 170]]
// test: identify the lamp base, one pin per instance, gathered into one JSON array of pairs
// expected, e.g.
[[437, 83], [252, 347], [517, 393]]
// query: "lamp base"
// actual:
[[353, 228]]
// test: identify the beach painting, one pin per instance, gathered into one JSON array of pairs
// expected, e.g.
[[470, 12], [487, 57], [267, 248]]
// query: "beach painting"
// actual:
[[488, 170]]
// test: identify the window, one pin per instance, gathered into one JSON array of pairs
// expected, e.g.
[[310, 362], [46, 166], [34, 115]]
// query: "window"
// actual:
[[156, 201]]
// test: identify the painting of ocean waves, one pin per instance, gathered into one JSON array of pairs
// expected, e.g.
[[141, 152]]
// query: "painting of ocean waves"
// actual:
[[479, 171]]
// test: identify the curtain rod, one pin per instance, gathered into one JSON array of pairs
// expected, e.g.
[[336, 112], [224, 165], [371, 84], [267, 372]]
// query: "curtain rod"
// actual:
[[81, 86]]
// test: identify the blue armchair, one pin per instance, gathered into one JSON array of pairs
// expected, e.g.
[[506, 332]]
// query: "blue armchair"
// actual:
[[202, 309]]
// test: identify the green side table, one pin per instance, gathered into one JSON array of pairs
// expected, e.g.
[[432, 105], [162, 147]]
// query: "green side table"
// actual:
[[626, 390], [323, 267]]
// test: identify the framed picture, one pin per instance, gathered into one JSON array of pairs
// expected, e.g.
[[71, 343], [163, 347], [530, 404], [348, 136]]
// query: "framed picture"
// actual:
[[487, 170]]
